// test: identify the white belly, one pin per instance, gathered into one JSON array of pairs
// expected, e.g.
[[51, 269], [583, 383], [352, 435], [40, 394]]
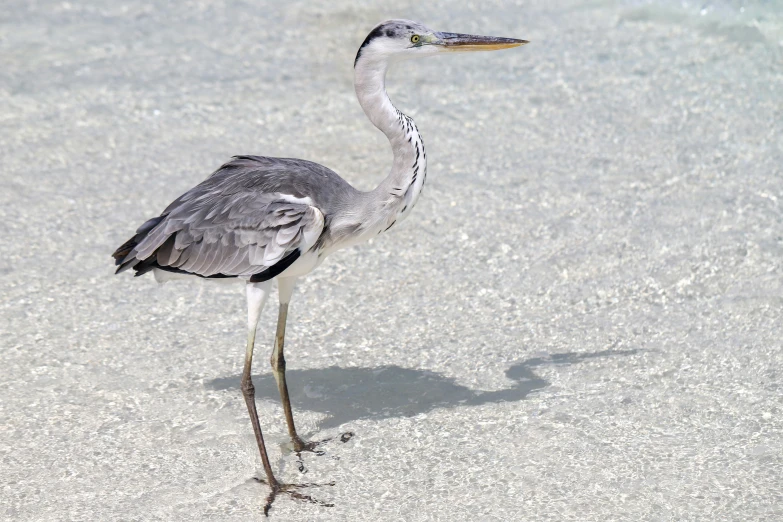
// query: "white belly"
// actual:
[[304, 265]]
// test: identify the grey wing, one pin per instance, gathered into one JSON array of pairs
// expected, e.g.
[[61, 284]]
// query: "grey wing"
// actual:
[[219, 234]]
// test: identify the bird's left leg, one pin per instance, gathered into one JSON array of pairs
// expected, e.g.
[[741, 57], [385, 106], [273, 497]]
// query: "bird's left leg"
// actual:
[[256, 297]]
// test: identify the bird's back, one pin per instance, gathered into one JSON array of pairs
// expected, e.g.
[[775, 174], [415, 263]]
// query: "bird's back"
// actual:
[[249, 215], [295, 177]]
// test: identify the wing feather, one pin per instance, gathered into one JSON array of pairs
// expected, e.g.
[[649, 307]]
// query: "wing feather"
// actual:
[[238, 236], [248, 215]]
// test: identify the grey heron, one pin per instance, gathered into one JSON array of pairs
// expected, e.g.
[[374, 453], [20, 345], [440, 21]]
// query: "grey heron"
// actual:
[[256, 219]]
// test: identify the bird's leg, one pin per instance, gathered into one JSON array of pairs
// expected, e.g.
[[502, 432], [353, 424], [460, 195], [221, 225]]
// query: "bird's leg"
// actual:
[[285, 288], [257, 294], [256, 298]]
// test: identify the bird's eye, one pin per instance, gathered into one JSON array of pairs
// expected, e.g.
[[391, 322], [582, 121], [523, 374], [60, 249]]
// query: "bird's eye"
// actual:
[[415, 38]]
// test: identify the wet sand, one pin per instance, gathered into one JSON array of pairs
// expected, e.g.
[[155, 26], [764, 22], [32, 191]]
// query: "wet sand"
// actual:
[[581, 319]]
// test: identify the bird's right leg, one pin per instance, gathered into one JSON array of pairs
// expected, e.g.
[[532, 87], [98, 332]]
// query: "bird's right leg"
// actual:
[[285, 288]]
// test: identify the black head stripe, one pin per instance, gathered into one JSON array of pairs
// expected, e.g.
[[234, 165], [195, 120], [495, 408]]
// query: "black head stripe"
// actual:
[[390, 29], [375, 33]]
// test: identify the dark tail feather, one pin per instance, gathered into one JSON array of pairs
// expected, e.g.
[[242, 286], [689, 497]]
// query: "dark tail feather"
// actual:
[[141, 267], [123, 256]]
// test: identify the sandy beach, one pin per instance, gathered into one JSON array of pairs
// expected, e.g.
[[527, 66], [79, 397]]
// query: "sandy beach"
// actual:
[[581, 319]]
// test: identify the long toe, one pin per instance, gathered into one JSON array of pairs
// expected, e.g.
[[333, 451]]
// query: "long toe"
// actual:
[[301, 445], [293, 491]]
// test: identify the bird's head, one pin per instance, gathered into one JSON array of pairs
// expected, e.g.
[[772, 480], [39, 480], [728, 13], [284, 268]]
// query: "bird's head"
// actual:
[[395, 40]]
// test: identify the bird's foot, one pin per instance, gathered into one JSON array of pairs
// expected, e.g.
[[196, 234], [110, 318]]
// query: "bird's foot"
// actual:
[[292, 490], [312, 446], [301, 445]]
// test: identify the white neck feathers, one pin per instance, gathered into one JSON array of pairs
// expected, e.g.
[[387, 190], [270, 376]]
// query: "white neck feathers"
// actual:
[[409, 169]]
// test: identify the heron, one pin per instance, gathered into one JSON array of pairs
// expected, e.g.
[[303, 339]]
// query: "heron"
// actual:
[[258, 219]]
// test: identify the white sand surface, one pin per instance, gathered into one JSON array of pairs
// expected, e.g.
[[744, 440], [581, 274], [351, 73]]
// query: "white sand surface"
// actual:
[[581, 320]]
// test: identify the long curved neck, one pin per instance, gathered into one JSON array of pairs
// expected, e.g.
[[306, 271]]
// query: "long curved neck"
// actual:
[[402, 186]]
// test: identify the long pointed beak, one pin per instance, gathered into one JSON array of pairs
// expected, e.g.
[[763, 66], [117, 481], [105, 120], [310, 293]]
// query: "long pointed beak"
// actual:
[[469, 42]]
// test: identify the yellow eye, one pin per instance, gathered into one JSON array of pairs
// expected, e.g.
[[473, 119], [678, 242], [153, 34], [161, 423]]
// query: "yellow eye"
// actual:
[[415, 38]]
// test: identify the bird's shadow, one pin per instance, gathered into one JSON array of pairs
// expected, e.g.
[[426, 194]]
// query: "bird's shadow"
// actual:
[[349, 394]]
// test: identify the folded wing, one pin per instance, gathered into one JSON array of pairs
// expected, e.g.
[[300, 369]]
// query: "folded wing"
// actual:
[[214, 232]]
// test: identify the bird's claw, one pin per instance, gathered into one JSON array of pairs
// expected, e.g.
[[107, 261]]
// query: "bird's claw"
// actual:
[[291, 490], [311, 446]]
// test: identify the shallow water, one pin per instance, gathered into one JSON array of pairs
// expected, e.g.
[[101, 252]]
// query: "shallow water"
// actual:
[[581, 320], [749, 21]]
